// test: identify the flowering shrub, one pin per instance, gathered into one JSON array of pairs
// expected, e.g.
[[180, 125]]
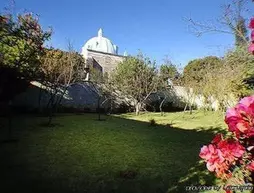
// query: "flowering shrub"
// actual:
[[221, 154], [225, 154], [251, 26], [234, 154]]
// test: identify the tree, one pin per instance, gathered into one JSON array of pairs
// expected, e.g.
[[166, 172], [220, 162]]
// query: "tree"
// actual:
[[168, 75], [101, 86], [196, 70], [136, 78], [241, 64], [232, 22], [168, 71], [240, 40], [239, 170], [229, 81], [195, 77], [60, 70], [221, 85], [21, 43], [21, 47]]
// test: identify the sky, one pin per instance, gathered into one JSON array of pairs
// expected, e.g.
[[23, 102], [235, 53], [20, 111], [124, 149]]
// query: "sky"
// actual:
[[156, 27]]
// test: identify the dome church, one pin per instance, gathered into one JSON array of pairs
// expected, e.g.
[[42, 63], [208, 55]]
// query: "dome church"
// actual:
[[100, 53], [101, 44]]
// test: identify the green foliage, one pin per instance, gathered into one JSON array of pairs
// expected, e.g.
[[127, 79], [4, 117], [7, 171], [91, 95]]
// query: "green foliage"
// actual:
[[197, 69], [168, 71], [21, 49], [21, 43], [241, 33], [137, 78], [241, 62], [231, 80], [60, 69], [226, 79], [195, 77], [97, 76], [62, 66]]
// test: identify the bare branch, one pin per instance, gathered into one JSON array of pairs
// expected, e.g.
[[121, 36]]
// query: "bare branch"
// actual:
[[227, 24]]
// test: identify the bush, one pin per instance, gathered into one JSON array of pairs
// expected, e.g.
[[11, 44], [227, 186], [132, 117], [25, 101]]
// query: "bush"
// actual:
[[154, 106], [122, 108], [87, 110], [231, 156], [152, 122], [100, 110]]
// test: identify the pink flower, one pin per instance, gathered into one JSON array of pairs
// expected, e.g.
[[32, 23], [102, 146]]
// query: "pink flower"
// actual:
[[232, 151], [247, 101], [252, 36], [251, 24], [237, 150], [215, 161], [251, 166], [232, 119], [240, 119], [217, 138], [221, 154], [207, 152], [251, 48], [212, 164]]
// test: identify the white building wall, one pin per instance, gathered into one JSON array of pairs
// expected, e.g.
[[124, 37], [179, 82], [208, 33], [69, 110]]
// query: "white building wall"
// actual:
[[199, 100]]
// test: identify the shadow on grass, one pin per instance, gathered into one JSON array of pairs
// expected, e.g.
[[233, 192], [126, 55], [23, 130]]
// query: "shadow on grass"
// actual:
[[46, 124], [7, 141], [114, 156]]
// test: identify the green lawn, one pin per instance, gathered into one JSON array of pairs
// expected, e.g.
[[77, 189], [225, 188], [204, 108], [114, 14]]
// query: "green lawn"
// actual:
[[122, 154]]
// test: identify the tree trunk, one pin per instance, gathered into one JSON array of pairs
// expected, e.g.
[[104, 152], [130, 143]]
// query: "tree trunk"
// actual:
[[186, 105], [51, 109], [10, 120], [162, 102], [190, 107], [50, 115], [50, 101], [39, 101], [99, 108], [50, 118], [111, 106], [138, 105], [60, 99]]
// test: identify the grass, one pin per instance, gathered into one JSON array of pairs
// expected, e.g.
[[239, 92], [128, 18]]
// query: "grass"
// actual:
[[123, 154]]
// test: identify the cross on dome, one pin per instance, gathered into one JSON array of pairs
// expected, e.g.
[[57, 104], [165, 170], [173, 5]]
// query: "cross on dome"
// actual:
[[99, 43], [100, 33]]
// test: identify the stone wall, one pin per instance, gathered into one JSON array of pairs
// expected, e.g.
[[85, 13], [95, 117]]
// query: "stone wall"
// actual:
[[77, 96], [84, 96], [107, 61], [186, 94]]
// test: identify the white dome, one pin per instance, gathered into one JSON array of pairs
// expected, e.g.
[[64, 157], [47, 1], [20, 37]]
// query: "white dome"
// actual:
[[99, 43]]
